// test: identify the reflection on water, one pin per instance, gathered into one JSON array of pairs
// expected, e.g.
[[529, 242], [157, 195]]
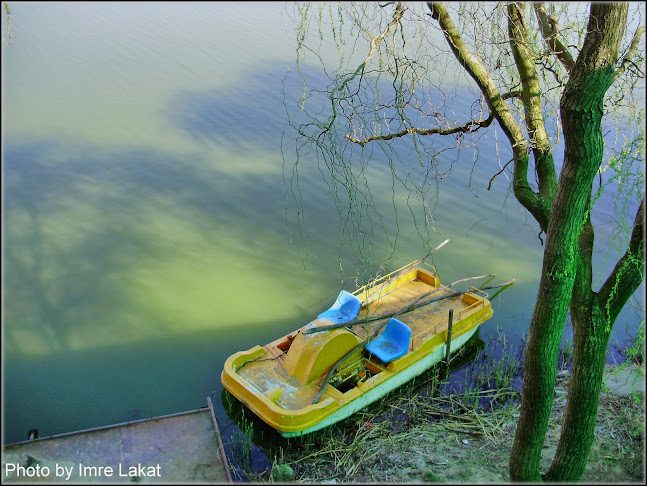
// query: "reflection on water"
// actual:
[[109, 248], [149, 232]]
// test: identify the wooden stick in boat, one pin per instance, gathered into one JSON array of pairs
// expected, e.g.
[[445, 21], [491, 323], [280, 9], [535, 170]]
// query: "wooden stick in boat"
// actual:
[[377, 332], [454, 293], [364, 320], [432, 251], [405, 269]]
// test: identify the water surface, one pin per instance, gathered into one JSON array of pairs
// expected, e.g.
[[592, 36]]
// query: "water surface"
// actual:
[[148, 226]]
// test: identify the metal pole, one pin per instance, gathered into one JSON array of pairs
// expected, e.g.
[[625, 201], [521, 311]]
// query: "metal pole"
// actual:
[[449, 335]]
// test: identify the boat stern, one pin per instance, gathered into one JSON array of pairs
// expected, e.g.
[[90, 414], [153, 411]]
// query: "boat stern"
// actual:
[[265, 403]]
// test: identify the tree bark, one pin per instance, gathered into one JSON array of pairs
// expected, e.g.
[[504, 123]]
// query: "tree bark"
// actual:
[[588, 365], [593, 315], [591, 336], [581, 109], [547, 324]]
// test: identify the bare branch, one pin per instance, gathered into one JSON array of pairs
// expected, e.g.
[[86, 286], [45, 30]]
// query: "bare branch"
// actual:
[[397, 17], [489, 186], [469, 127], [480, 75], [549, 30], [535, 203], [628, 59]]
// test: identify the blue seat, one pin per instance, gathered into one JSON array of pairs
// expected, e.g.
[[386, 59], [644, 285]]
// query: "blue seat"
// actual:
[[345, 308], [392, 343]]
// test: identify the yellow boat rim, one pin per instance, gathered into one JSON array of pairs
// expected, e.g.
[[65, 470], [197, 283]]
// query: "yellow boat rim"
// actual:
[[367, 344]]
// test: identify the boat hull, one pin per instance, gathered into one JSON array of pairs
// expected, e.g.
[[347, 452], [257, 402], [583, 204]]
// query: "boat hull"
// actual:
[[319, 375], [380, 391]]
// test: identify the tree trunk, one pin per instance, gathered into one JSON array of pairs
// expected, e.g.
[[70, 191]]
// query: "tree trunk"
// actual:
[[583, 154], [591, 337], [547, 324], [581, 110], [593, 315]]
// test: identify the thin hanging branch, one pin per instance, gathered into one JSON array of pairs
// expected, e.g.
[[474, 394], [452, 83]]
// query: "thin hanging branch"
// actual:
[[6, 8], [489, 186]]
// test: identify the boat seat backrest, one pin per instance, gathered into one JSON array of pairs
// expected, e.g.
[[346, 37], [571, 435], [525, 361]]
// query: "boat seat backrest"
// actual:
[[393, 343], [345, 308]]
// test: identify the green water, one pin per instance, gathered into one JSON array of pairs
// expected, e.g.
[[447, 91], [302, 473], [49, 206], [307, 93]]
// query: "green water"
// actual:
[[148, 229]]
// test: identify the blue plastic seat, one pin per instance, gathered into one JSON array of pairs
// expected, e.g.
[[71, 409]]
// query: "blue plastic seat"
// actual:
[[345, 308], [392, 343]]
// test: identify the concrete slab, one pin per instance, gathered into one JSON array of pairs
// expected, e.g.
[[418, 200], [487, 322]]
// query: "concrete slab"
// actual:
[[176, 448], [624, 381]]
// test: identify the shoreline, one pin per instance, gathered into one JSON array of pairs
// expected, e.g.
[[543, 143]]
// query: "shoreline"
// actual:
[[410, 437]]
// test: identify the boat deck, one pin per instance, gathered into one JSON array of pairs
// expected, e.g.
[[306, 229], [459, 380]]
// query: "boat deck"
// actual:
[[269, 376], [178, 448], [424, 321]]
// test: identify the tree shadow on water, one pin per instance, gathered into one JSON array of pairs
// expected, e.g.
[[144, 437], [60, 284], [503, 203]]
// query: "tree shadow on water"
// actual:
[[254, 111], [77, 221]]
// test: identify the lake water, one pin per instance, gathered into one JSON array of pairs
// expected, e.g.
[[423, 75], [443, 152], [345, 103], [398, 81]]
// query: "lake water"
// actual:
[[148, 226]]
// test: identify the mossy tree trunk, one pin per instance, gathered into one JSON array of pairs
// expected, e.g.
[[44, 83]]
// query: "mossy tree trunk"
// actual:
[[592, 314], [568, 255]]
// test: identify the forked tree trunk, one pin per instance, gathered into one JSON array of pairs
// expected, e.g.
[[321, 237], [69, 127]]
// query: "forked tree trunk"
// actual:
[[547, 324], [593, 314], [581, 110]]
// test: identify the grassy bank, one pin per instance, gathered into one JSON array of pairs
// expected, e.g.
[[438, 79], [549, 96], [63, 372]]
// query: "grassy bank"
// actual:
[[457, 431]]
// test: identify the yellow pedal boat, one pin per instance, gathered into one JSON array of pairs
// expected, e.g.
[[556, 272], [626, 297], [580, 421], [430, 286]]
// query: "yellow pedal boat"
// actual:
[[339, 363]]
